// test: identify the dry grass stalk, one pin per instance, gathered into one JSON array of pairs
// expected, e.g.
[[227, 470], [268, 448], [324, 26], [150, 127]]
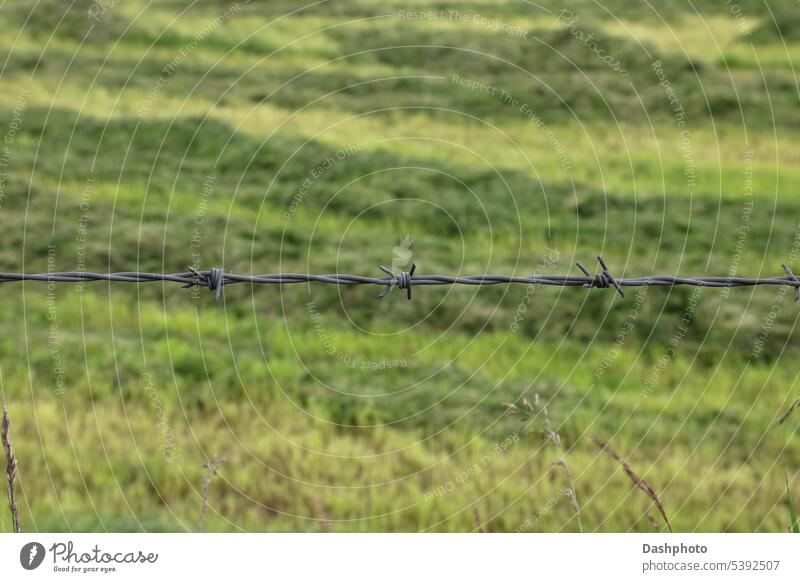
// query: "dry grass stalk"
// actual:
[[322, 515], [212, 467], [573, 500], [555, 438], [652, 521], [11, 469], [477, 515], [637, 481], [552, 435], [786, 414]]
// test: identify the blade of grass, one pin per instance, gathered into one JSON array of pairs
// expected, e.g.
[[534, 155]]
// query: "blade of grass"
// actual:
[[791, 409], [793, 522]]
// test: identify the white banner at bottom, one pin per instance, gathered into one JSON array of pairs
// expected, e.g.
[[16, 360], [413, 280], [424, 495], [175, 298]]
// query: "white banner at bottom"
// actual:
[[355, 557]]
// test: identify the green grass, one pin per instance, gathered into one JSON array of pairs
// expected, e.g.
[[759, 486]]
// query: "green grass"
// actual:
[[155, 381]]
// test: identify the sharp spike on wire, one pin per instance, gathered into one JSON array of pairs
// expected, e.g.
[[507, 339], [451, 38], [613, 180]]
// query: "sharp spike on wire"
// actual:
[[213, 279], [602, 279], [587, 273], [407, 278], [389, 284], [216, 281], [794, 278], [401, 280], [610, 277]]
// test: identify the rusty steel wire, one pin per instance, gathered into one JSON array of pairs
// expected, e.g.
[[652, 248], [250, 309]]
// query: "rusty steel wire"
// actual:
[[215, 279]]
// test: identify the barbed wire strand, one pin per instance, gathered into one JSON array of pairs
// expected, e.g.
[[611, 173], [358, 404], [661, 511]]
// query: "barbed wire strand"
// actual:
[[215, 279]]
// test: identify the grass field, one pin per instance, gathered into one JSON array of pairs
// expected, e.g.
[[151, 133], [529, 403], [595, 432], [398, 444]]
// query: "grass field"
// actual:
[[500, 137]]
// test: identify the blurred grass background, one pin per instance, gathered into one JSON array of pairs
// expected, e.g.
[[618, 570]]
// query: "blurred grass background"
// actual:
[[294, 138]]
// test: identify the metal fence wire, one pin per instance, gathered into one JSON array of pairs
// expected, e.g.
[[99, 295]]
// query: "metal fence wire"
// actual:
[[215, 279]]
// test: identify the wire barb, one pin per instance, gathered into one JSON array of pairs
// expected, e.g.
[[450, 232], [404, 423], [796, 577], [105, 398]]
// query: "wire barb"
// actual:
[[402, 280], [792, 277], [603, 279], [213, 279]]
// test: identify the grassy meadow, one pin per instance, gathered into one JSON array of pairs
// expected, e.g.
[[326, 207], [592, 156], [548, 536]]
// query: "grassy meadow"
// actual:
[[467, 137]]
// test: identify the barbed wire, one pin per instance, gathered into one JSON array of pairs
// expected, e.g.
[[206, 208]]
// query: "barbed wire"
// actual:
[[215, 279]]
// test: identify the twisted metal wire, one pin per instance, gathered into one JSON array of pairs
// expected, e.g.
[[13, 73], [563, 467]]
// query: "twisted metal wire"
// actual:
[[215, 279]]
